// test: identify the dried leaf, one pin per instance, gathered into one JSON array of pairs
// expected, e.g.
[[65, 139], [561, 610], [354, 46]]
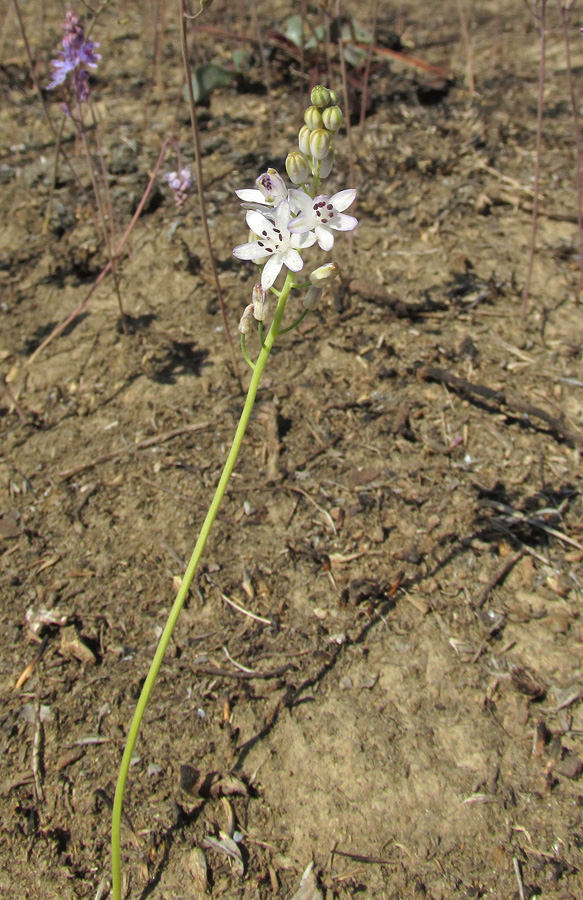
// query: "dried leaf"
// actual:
[[308, 889], [228, 848]]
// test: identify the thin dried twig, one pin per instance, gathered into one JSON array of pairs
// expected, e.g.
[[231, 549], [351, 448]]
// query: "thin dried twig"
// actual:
[[244, 676], [200, 187], [104, 272], [539, 132], [27, 672], [564, 14], [532, 520], [37, 753], [245, 611], [516, 865], [326, 514], [431, 373], [468, 46], [498, 577], [237, 665], [374, 17], [143, 445]]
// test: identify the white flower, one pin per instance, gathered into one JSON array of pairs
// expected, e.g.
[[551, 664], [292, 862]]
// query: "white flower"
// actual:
[[275, 246], [270, 192], [322, 214]]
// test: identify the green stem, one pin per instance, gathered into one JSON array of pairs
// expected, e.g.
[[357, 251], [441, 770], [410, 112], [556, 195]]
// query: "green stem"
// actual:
[[246, 356], [317, 179], [185, 586], [296, 323]]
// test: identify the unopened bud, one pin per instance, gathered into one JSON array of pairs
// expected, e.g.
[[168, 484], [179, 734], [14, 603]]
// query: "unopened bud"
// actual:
[[324, 274], [313, 118], [326, 164], [245, 323], [319, 144], [312, 297], [320, 96], [333, 97], [304, 140], [332, 118], [297, 167], [259, 306], [272, 186]]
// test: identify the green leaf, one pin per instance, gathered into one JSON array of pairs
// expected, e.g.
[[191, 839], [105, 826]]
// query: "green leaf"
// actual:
[[293, 30], [206, 79]]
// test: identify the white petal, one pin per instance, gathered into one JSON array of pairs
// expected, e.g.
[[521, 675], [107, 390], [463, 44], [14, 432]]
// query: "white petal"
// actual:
[[258, 223], [282, 216], [344, 223], [300, 201], [271, 270], [325, 237], [293, 260], [251, 196], [343, 199], [252, 250], [303, 222], [305, 239], [267, 211]]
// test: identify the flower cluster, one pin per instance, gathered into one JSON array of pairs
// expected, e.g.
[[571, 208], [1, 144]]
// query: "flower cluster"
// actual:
[[77, 54], [285, 221], [181, 183]]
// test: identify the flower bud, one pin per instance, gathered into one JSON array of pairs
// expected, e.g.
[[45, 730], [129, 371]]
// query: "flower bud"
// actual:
[[319, 144], [304, 140], [320, 96], [272, 186], [259, 306], [312, 298], [326, 164], [332, 118], [297, 167], [333, 98], [313, 118], [324, 274], [245, 323]]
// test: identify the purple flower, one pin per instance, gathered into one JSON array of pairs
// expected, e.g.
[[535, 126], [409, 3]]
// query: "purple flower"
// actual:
[[77, 54], [181, 183]]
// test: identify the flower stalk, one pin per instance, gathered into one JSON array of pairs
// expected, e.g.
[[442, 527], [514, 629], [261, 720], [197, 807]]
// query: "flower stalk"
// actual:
[[185, 586], [284, 223]]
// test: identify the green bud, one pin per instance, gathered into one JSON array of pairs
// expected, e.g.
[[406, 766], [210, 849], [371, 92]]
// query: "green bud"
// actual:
[[332, 118], [304, 140], [333, 98], [312, 118], [297, 167], [324, 274], [320, 96], [319, 144]]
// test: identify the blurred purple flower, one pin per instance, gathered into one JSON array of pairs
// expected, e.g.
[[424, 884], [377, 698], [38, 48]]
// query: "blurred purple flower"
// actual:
[[181, 183], [77, 53]]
